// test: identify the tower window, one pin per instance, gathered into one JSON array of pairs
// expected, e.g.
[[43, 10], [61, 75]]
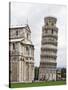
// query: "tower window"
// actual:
[[16, 32], [52, 31], [13, 45], [46, 31], [46, 23], [52, 24]]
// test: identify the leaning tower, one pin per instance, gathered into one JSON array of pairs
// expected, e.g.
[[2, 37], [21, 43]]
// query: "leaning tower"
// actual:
[[47, 70]]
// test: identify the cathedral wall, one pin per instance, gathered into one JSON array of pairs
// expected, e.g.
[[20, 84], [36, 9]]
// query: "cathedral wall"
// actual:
[[17, 33], [22, 53]]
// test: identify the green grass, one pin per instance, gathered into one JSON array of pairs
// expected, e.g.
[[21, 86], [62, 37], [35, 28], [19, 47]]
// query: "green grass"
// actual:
[[37, 84]]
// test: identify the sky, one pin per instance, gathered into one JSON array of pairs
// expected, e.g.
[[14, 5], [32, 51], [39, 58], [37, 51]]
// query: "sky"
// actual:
[[33, 14]]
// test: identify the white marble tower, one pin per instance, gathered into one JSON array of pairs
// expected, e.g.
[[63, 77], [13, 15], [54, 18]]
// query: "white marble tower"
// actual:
[[47, 70]]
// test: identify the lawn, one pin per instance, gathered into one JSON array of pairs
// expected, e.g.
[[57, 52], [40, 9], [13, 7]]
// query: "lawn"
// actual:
[[37, 84]]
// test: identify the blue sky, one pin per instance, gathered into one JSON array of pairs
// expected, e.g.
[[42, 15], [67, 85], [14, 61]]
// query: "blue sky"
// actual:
[[35, 13]]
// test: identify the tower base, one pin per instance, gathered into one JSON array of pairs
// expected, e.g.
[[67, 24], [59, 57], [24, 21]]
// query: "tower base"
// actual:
[[46, 74]]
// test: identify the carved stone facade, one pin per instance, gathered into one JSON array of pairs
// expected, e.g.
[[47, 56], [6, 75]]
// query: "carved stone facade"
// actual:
[[48, 56], [21, 55]]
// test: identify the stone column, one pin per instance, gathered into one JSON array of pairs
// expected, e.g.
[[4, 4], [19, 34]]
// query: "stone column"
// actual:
[[30, 72]]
